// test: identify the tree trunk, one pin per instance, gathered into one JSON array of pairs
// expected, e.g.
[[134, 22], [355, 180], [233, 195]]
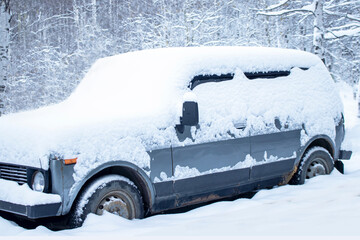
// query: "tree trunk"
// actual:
[[4, 51], [318, 40]]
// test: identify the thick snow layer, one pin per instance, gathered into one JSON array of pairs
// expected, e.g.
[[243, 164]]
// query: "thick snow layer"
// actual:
[[325, 207], [13, 193], [307, 97], [129, 104]]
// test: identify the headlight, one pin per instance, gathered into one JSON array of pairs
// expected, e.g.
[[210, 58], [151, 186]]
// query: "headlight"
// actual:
[[38, 181]]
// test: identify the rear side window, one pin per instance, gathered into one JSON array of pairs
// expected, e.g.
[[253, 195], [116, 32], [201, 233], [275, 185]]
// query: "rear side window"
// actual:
[[269, 74]]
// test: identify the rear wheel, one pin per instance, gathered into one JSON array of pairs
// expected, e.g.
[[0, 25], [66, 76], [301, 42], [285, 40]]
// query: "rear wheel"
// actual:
[[316, 161], [111, 193]]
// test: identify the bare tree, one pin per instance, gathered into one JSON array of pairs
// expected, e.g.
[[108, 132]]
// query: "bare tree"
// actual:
[[335, 32], [4, 47], [313, 9]]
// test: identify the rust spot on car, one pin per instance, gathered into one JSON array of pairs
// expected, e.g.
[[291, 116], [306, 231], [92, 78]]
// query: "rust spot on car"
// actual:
[[287, 177], [202, 199]]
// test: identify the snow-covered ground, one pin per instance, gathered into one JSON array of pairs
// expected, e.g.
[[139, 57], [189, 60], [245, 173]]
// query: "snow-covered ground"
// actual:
[[324, 206]]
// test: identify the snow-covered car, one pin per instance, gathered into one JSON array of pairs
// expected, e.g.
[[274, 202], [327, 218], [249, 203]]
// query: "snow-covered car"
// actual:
[[161, 129]]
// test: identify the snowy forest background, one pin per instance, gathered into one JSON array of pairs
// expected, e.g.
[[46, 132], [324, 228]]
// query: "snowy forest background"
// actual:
[[46, 47]]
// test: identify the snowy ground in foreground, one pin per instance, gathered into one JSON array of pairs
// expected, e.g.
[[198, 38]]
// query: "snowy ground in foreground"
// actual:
[[326, 205]]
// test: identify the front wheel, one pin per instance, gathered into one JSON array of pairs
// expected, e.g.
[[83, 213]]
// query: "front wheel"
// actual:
[[111, 193], [316, 161]]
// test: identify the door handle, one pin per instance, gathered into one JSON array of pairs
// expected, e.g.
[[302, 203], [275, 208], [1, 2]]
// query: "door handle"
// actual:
[[240, 125]]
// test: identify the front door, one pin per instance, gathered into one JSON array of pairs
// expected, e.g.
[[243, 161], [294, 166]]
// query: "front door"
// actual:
[[215, 154]]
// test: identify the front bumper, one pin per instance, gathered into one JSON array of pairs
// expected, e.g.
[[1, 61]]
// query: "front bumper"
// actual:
[[21, 200], [32, 212]]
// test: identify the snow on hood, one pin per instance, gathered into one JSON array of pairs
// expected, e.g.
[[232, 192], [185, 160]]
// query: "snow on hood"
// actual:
[[129, 103]]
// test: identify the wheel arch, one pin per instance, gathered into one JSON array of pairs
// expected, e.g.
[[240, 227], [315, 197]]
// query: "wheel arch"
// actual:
[[125, 169], [322, 141], [317, 141]]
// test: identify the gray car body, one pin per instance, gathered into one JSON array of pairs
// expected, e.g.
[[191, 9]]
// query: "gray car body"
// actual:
[[165, 195], [214, 160], [173, 193]]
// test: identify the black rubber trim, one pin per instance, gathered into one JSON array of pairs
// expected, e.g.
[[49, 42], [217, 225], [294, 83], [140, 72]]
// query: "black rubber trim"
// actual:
[[339, 165]]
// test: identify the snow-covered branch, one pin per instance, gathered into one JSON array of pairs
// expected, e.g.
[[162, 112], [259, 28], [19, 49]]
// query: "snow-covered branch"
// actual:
[[278, 5], [345, 15], [286, 12], [305, 9], [342, 33]]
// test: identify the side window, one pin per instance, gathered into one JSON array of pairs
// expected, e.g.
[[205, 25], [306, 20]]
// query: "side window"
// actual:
[[201, 79], [220, 102]]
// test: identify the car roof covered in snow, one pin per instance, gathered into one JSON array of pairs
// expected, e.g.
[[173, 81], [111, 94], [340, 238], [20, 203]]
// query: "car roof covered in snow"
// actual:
[[157, 74]]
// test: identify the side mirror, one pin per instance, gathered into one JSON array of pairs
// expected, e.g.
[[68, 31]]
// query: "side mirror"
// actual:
[[190, 114]]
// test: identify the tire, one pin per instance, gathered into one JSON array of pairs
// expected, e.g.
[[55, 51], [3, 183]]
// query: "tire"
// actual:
[[112, 193], [316, 161]]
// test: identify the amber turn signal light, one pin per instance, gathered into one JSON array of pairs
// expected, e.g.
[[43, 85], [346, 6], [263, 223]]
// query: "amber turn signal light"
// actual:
[[70, 161]]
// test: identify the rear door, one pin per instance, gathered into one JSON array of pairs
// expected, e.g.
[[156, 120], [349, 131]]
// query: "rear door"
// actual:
[[274, 142], [274, 153]]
